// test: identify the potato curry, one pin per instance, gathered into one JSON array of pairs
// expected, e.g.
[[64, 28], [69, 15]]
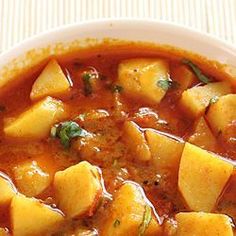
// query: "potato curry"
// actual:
[[115, 143]]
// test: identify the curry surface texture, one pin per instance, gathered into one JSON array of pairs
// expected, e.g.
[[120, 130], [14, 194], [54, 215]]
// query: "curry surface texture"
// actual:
[[119, 142]]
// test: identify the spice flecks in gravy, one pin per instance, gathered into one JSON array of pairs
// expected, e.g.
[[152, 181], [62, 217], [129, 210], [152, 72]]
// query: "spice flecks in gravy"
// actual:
[[117, 140]]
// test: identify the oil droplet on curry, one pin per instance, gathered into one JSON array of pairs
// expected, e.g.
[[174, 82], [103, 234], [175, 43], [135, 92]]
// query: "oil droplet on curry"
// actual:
[[118, 142]]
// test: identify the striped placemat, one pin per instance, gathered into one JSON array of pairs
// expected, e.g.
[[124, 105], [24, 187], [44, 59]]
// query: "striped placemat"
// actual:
[[20, 19]]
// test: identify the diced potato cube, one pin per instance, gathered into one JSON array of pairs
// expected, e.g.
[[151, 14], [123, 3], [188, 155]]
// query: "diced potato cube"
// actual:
[[36, 122], [203, 224], [31, 217], [227, 201], [202, 177], [126, 213], [222, 113], [30, 179], [78, 189], [165, 151], [184, 76], [202, 136], [3, 232], [51, 82], [7, 190], [136, 141], [195, 100], [139, 78]]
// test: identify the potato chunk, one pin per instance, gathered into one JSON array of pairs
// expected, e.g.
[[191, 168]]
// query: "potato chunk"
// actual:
[[184, 76], [166, 151], [31, 217], [202, 136], [30, 179], [202, 177], [222, 113], [203, 224], [126, 213], [195, 100], [78, 189], [7, 190], [36, 122], [139, 78], [51, 82], [136, 141]]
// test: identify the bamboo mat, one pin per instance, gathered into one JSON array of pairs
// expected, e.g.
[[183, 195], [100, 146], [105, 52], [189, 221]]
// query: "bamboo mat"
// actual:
[[20, 19]]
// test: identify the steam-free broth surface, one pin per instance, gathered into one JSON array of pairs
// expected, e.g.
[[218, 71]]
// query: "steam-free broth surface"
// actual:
[[116, 142]]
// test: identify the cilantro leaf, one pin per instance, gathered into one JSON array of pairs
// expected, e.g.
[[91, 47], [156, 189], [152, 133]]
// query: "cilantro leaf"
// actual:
[[87, 83], [165, 84], [196, 71], [147, 217], [67, 130]]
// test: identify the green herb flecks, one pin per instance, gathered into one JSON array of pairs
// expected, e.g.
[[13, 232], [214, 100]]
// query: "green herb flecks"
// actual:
[[165, 84], [116, 223], [213, 100], [116, 88], [203, 78], [147, 217], [87, 83], [66, 131]]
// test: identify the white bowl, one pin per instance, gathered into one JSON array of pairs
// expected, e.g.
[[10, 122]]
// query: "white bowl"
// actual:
[[129, 29]]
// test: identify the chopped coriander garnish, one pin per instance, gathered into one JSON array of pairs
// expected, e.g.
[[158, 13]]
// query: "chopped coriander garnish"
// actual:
[[116, 223], [147, 217], [214, 99], [165, 84], [116, 88], [87, 83], [196, 71], [67, 130]]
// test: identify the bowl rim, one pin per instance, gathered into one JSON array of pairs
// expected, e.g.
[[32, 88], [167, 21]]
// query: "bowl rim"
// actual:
[[21, 47]]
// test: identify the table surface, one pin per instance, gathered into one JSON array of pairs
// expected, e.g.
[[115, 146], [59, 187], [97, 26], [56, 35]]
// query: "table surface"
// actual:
[[20, 19]]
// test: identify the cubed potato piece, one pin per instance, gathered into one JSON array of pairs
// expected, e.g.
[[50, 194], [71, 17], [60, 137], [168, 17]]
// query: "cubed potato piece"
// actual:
[[136, 141], [31, 217], [165, 151], [202, 177], [7, 190], [203, 224], [126, 213], [30, 179], [195, 100], [51, 82], [184, 76], [222, 113], [4, 232], [36, 122], [202, 136], [78, 189], [139, 78]]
